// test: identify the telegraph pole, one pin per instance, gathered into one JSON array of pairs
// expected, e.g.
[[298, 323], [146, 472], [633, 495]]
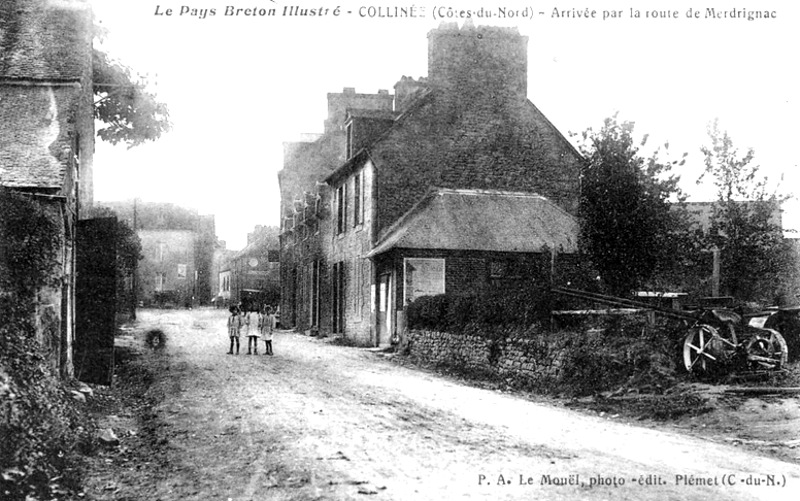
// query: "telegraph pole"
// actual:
[[134, 281]]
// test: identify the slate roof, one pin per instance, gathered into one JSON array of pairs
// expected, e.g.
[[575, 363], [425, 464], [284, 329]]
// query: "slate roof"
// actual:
[[34, 144], [45, 54], [44, 39], [482, 220], [446, 141]]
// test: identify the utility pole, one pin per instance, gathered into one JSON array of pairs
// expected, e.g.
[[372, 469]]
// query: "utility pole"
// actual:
[[134, 281]]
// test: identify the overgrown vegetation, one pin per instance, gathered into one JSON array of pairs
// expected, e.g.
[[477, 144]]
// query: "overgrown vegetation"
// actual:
[[623, 352], [129, 252], [40, 428], [29, 245], [452, 312]]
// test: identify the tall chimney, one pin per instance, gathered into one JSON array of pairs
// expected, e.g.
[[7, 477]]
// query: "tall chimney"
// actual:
[[479, 61]]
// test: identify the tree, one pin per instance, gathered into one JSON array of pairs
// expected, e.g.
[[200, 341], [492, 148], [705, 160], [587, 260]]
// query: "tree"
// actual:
[[131, 113], [129, 252], [756, 262], [629, 228]]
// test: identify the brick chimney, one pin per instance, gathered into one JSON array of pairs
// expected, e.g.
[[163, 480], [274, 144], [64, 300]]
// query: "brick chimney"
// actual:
[[483, 61]]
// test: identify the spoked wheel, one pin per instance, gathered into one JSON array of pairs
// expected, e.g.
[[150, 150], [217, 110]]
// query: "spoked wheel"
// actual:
[[704, 349], [767, 350]]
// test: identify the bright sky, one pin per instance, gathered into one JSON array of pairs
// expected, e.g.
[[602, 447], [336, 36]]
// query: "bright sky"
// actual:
[[239, 86]]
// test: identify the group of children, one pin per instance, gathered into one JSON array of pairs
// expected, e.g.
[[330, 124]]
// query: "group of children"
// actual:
[[254, 324]]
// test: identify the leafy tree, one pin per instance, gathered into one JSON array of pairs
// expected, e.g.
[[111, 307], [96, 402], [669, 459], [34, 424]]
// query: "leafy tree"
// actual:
[[629, 227], [131, 114], [129, 252], [756, 260]]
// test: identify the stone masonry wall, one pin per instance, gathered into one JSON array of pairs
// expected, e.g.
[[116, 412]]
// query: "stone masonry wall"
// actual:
[[525, 361]]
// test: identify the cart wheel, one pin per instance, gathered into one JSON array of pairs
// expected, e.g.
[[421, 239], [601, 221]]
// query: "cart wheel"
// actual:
[[767, 350], [704, 349]]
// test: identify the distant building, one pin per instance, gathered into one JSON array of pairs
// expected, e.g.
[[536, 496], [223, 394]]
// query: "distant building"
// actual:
[[702, 213], [178, 246], [221, 281], [251, 277], [455, 184]]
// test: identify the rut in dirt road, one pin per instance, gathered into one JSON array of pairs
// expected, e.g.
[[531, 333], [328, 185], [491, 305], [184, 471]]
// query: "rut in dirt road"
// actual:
[[319, 421]]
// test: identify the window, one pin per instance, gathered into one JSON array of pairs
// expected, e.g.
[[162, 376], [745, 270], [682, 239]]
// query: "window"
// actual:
[[505, 269], [356, 281], [338, 299], [160, 252], [181, 271], [341, 208], [161, 280], [349, 138], [497, 269], [358, 199], [423, 277], [315, 266]]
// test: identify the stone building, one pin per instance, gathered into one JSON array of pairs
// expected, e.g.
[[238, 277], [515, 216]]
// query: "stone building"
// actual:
[[456, 183], [178, 246], [251, 277], [47, 139]]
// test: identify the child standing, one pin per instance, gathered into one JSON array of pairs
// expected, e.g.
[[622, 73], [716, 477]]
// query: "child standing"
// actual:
[[267, 323], [234, 327], [251, 329]]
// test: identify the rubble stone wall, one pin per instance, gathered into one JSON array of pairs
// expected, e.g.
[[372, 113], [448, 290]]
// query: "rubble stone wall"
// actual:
[[520, 360]]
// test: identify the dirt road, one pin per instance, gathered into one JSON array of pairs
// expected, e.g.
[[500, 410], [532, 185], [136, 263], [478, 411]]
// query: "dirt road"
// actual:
[[319, 421]]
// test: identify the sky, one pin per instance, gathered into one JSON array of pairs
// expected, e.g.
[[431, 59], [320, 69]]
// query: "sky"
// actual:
[[239, 86]]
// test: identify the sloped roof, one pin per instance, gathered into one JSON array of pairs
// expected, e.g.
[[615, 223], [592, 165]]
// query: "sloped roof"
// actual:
[[45, 40], [482, 220], [378, 114], [485, 144], [45, 54], [34, 143]]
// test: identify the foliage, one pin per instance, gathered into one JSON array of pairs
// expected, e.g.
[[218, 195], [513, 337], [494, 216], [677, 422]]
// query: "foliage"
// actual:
[[623, 352], [41, 430], [129, 245], [452, 312], [129, 252], [30, 238], [38, 422], [756, 260], [131, 113], [628, 225]]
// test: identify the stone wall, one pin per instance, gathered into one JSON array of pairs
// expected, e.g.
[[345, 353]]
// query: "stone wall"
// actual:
[[526, 361]]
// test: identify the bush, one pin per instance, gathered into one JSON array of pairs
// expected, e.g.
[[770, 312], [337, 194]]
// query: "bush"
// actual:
[[427, 312], [450, 312]]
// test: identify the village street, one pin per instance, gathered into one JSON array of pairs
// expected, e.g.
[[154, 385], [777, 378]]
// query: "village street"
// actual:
[[321, 421]]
